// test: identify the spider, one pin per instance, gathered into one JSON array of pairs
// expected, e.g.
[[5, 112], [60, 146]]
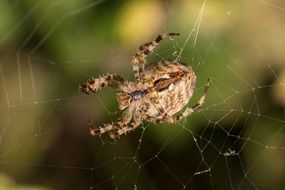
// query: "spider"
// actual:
[[158, 93]]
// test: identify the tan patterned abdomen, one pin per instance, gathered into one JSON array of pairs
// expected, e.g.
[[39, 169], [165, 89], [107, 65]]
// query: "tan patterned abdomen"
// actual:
[[176, 96]]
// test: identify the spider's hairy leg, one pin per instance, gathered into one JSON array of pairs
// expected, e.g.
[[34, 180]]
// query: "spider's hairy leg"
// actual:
[[138, 58], [114, 129], [164, 119], [95, 84], [123, 129], [197, 106], [111, 128]]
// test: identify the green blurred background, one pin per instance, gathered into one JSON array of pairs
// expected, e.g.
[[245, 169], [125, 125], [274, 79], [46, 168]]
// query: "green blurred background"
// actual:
[[236, 141]]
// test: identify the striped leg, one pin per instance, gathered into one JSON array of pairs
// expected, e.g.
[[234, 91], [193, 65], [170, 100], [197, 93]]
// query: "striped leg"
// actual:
[[139, 58], [124, 129], [114, 130], [111, 80]]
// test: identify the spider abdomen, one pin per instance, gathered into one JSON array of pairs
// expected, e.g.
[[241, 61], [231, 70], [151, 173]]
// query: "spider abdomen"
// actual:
[[174, 87], [178, 95]]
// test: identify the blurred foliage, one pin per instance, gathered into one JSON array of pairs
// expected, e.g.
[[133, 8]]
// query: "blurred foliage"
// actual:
[[48, 47], [6, 183]]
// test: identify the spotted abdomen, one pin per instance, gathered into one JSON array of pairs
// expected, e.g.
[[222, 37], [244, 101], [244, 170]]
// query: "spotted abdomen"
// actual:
[[174, 84], [178, 94]]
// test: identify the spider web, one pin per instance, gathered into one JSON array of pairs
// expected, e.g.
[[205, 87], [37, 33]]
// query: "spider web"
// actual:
[[235, 141]]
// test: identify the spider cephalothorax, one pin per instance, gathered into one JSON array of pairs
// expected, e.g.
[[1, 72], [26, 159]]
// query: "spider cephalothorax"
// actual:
[[156, 95]]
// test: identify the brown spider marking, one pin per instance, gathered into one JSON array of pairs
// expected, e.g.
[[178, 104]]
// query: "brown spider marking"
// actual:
[[157, 95]]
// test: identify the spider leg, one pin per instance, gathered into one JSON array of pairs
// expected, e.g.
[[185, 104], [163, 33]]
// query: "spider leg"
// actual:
[[138, 58], [168, 119], [197, 106], [129, 126], [116, 129], [95, 84], [161, 112], [123, 129]]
